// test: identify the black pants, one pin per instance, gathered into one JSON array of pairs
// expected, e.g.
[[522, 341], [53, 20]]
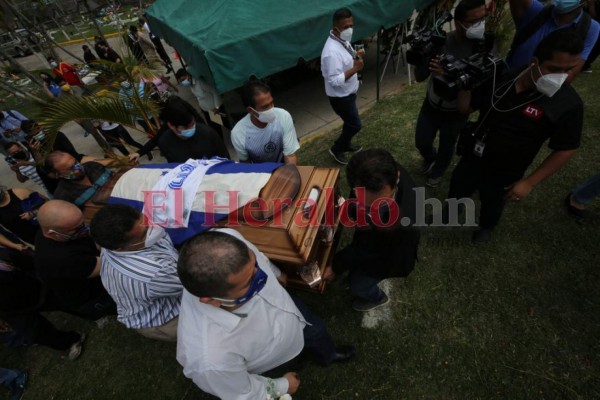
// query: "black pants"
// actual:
[[33, 328], [160, 50], [346, 108], [113, 137], [470, 176]]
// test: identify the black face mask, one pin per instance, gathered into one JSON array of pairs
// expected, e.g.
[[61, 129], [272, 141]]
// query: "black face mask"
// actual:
[[20, 155]]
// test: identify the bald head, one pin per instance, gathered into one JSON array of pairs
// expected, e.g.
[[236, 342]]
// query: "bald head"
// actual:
[[60, 216]]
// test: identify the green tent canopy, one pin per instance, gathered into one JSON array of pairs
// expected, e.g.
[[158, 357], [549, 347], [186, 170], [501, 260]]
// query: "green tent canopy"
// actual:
[[227, 41]]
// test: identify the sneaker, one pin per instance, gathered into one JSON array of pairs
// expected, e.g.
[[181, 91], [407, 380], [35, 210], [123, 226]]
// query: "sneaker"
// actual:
[[339, 157], [353, 149], [426, 167], [17, 387], [572, 210], [481, 236], [366, 305], [75, 349], [86, 134], [101, 323], [587, 70], [434, 182]]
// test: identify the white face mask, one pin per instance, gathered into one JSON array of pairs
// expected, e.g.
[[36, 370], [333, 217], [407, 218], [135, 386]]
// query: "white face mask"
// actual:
[[346, 34], [549, 84], [476, 31], [266, 117], [153, 235]]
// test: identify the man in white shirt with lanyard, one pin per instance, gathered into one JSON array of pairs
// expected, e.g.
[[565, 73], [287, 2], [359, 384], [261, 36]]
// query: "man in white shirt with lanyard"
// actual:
[[340, 64], [237, 321]]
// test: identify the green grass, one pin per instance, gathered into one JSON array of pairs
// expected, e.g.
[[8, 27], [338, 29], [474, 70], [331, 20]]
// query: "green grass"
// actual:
[[516, 319]]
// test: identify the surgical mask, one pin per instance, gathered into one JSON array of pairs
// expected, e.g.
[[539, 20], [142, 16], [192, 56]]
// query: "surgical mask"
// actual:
[[566, 6], [40, 136], [76, 173], [346, 34], [258, 283], [476, 31], [82, 231], [186, 83], [549, 84], [188, 133], [266, 117], [125, 84], [154, 234], [54, 64]]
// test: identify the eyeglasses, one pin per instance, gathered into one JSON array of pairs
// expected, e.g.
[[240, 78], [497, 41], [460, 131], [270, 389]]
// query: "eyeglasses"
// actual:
[[80, 231]]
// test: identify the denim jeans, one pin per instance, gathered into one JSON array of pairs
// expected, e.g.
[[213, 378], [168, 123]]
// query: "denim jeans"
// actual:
[[346, 108], [589, 189], [8, 376], [429, 122], [364, 286], [316, 337]]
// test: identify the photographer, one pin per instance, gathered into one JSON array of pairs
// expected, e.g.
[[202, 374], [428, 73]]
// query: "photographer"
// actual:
[[521, 112], [436, 113]]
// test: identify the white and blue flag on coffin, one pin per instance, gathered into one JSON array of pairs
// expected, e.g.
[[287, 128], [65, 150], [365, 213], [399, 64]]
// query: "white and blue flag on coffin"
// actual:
[[190, 198]]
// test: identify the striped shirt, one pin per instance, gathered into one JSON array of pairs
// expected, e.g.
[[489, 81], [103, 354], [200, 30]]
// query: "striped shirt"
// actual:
[[31, 172], [143, 283]]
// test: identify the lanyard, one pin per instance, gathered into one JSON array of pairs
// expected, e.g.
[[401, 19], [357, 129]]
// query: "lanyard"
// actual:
[[346, 45]]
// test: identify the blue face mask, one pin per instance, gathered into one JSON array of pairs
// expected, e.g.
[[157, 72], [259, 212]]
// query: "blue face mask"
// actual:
[[565, 6], [188, 133], [186, 83], [258, 283]]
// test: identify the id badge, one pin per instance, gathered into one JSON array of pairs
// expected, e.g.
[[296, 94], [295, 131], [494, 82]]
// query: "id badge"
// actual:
[[479, 148]]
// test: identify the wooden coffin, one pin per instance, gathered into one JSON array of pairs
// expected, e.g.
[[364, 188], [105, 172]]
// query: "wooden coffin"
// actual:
[[299, 236]]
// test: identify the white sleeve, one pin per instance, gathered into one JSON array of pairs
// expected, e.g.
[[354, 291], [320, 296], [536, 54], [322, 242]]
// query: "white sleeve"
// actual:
[[238, 139], [332, 70], [236, 385], [290, 139]]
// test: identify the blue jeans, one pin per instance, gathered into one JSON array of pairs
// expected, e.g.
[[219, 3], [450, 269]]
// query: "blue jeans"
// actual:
[[8, 376], [589, 189], [346, 108], [364, 286], [316, 337], [429, 122]]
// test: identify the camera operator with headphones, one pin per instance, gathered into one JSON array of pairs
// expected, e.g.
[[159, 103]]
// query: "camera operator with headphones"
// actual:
[[436, 113]]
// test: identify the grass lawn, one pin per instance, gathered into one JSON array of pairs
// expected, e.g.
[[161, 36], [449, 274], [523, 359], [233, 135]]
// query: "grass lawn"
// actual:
[[516, 319]]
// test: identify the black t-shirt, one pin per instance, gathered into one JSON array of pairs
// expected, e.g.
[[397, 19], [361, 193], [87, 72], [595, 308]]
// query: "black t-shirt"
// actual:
[[515, 134], [65, 267], [205, 143]]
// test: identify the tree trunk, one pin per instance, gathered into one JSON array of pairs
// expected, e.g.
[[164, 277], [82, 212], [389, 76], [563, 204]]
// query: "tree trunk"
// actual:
[[98, 28], [89, 127]]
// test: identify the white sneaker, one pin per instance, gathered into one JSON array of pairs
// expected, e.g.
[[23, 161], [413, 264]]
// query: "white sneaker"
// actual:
[[75, 349]]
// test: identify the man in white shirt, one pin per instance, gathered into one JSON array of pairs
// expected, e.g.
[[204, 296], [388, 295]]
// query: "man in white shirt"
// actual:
[[237, 321], [139, 271], [266, 133], [340, 64]]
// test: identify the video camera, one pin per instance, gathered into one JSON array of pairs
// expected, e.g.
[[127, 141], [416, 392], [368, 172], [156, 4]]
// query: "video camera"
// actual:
[[467, 73], [425, 43]]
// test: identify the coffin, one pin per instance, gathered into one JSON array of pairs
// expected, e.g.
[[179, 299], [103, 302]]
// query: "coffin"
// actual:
[[300, 238]]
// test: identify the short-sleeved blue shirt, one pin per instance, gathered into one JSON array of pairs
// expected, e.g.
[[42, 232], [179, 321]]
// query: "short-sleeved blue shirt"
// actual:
[[523, 54]]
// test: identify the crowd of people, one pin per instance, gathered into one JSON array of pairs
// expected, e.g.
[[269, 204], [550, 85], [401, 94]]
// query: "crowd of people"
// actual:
[[218, 296]]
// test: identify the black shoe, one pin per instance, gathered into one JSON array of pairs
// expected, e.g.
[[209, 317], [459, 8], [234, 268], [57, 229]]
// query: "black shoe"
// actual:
[[343, 354], [481, 236], [338, 156], [574, 211], [150, 156], [353, 149]]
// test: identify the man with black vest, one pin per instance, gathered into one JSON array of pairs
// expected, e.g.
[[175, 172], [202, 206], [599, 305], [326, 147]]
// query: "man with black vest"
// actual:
[[534, 21]]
